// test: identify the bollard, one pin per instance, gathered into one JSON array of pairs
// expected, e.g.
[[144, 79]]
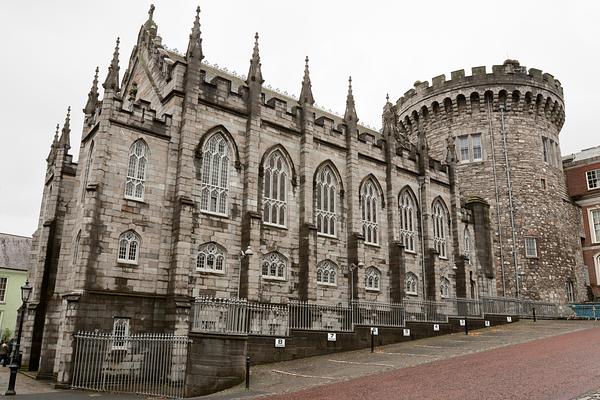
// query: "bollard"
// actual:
[[534, 319], [372, 342], [466, 326], [247, 373]]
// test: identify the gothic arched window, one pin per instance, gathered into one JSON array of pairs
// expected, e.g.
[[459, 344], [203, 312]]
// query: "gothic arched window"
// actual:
[[326, 273], [445, 288], [273, 265], [325, 201], [369, 199], [211, 257], [372, 279], [440, 228], [129, 247], [275, 187], [214, 175], [411, 283], [407, 207], [136, 170]]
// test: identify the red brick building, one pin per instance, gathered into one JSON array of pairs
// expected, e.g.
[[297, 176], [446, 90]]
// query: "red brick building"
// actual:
[[582, 172]]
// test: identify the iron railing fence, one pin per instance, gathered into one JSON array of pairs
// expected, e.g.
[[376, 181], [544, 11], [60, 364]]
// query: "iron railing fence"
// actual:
[[233, 316], [239, 317], [425, 310], [333, 318], [542, 309], [377, 314], [462, 307], [217, 315], [146, 364], [268, 319], [500, 305]]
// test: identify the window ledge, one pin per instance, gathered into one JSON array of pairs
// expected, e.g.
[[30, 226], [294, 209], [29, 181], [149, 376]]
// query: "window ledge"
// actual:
[[372, 290], [125, 263], [134, 199], [372, 244], [273, 278], [412, 294], [410, 252], [327, 284], [271, 225], [214, 214], [208, 271], [325, 235], [443, 258]]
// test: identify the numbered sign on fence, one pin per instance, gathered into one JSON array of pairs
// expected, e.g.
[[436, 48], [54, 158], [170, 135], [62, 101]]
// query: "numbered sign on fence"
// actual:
[[508, 319], [436, 327], [462, 322], [279, 342], [487, 323], [331, 337], [406, 332], [374, 331]]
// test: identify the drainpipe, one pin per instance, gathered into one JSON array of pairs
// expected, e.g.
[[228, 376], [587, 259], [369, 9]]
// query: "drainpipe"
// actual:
[[498, 228], [510, 203]]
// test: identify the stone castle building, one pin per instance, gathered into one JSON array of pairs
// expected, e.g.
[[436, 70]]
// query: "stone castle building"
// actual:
[[184, 166]]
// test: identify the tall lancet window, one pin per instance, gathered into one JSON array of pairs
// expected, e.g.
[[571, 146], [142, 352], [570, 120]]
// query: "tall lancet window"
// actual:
[[88, 166], [440, 228], [407, 207], [275, 188], [369, 199], [215, 175], [136, 170], [325, 201]]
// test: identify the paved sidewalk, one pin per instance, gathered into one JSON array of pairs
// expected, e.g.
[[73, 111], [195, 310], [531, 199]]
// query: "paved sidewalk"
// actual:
[[296, 375]]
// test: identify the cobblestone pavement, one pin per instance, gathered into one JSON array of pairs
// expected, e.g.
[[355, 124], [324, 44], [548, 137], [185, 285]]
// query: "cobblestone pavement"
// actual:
[[593, 395], [506, 359]]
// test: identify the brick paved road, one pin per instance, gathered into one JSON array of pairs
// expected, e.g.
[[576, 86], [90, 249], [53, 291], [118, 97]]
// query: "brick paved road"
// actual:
[[525, 360], [559, 367]]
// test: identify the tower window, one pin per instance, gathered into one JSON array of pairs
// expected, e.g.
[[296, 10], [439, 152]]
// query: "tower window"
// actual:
[[469, 148], [531, 247]]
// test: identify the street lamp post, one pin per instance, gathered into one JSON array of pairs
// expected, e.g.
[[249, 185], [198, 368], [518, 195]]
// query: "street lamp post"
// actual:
[[243, 255], [352, 268], [15, 361]]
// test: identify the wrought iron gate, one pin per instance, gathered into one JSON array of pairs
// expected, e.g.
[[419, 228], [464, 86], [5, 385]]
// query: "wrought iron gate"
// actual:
[[150, 364]]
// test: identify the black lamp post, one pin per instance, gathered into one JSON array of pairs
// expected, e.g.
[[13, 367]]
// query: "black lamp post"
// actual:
[[15, 361]]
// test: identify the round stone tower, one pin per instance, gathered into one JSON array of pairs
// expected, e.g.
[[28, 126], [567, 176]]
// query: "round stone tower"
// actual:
[[502, 130]]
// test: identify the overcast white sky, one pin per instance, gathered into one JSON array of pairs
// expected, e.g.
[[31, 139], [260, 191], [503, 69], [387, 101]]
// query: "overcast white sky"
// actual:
[[50, 50]]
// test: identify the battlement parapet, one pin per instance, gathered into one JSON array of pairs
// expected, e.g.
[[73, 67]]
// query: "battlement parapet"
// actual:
[[509, 72]]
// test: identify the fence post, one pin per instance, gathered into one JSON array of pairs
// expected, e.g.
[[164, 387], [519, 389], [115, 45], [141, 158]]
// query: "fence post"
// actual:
[[247, 373], [534, 319], [466, 325], [372, 341]]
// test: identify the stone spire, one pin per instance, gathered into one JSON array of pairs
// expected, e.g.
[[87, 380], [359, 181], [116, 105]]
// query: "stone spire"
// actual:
[[53, 146], [112, 79], [150, 25], [254, 74], [65, 136], [306, 96], [350, 114], [92, 96], [388, 117], [194, 50]]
